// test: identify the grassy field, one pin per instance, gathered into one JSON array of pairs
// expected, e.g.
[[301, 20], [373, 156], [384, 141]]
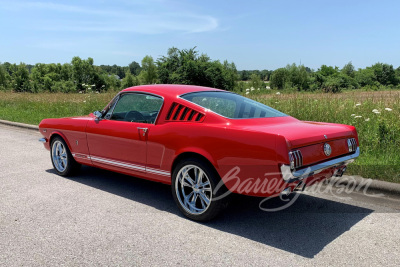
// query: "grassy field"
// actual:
[[375, 114]]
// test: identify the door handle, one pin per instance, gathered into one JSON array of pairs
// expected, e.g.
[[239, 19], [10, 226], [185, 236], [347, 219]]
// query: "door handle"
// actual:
[[144, 130]]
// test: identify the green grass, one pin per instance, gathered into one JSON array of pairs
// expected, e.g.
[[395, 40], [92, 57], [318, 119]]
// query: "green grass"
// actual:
[[32, 108], [379, 134]]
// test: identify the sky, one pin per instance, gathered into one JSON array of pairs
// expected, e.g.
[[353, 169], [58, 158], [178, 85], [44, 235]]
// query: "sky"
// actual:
[[253, 34]]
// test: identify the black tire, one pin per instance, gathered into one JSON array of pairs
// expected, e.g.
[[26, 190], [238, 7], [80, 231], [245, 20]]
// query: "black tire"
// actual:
[[62, 159], [218, 199]]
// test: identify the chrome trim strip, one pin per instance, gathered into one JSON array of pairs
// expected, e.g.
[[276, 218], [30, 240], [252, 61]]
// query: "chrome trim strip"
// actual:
[[124, 164], [118, 163], [290, 176], [43, 140]]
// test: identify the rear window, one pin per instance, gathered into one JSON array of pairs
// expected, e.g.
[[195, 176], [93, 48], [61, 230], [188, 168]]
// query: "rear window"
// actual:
[[231, 105]]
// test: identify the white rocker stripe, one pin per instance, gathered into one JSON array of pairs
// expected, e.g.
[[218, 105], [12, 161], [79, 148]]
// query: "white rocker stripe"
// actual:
[[118, 163], [157, 171], [124, 164]]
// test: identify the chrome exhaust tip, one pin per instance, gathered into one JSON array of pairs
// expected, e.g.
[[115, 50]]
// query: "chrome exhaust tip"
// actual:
[[300, 187], [340, 172], [286, 192]]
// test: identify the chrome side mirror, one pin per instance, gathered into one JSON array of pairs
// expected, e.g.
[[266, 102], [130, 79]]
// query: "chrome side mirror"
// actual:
[[97, 114]]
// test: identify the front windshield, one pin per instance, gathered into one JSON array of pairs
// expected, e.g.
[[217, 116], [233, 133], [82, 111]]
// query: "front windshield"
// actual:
[[231, 105]]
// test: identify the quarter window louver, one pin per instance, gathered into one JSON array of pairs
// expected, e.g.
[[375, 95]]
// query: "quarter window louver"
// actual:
[[178, 112]]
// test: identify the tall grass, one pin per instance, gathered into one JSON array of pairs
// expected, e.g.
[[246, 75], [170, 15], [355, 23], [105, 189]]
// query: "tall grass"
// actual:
[[32, 108], [379, 133]]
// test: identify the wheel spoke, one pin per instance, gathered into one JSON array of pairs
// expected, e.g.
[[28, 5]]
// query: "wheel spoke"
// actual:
[[205, 198], [189, 179], [204, 184]]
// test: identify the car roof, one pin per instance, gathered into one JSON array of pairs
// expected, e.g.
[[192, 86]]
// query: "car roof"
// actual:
[[171, 90]]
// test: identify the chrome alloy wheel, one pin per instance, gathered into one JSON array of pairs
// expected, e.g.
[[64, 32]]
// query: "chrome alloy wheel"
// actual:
[[59, 156], [193, 189]]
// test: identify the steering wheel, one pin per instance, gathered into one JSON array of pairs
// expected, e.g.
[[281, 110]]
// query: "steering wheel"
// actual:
[[134, 116]]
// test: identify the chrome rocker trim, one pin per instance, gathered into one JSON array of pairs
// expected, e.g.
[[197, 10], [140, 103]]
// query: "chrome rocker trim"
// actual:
[[290, 176], [42, 140]]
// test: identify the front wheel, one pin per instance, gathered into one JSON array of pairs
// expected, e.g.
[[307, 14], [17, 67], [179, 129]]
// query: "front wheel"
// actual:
[[62, 159], [193, 189]]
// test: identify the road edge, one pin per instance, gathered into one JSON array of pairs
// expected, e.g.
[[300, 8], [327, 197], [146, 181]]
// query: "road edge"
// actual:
[[20, 125], [370, 185]]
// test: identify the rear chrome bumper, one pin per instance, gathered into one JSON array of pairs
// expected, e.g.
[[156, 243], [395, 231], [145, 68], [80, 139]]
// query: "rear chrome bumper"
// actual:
[[43, 140], [292, 176]]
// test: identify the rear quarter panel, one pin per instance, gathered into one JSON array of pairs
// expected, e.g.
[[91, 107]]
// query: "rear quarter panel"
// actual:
[[237, 155]]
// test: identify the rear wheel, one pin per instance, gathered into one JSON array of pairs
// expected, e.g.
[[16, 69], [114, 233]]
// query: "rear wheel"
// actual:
[[193, 189], [61, 157]]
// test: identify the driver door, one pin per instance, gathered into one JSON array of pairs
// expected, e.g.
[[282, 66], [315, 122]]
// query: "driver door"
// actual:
[[118, 141]]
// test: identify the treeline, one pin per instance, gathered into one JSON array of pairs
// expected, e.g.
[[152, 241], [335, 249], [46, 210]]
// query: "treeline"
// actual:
[[188, 66], [333, 79], [185, 66]]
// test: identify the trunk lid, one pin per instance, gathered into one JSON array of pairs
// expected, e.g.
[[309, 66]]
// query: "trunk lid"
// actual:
[[298, 133]]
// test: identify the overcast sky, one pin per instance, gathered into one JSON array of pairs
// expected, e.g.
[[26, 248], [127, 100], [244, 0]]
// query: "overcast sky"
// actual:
[[254, 34]]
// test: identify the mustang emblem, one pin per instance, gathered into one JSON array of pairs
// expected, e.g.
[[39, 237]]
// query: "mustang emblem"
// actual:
[[327, 149]]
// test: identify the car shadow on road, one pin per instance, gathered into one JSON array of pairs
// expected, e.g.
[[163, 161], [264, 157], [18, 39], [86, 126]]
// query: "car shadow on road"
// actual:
[[304, 228]]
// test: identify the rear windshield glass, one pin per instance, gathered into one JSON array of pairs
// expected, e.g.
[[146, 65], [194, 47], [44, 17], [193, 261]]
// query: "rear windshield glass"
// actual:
[[232, 105]]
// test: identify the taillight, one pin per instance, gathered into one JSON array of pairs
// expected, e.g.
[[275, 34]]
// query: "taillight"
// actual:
[[352, 144], [296, 159]]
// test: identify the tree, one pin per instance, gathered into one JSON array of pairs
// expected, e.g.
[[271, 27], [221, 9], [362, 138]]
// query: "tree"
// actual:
[[149, 70], [85, 75], [279, 78], [365, 77], [4, 77], [384, 73], [129, 80], [20, 78], [134, 68], [188, 67], [348, 69]]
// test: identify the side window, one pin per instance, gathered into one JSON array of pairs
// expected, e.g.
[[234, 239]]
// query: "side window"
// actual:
[[137, 107]]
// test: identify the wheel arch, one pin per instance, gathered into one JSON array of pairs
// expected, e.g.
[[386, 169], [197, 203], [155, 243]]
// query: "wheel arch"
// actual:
[[190, 154], [59, 134]]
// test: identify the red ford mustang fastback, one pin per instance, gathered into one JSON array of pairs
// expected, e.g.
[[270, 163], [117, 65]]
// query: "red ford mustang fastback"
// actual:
[[205, 142]]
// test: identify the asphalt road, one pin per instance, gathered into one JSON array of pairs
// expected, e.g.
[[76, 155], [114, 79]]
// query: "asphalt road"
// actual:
[[102, 218]]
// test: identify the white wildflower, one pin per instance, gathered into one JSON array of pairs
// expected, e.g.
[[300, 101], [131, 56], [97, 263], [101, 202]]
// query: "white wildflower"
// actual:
[[353, 115], [358, 117], [93, 85], [267, 87], [388, 109], [247, 93], [278, 93], [358, 104], [247, 89], [367, 119], [375, 110], [84, 101], [276, 102]]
